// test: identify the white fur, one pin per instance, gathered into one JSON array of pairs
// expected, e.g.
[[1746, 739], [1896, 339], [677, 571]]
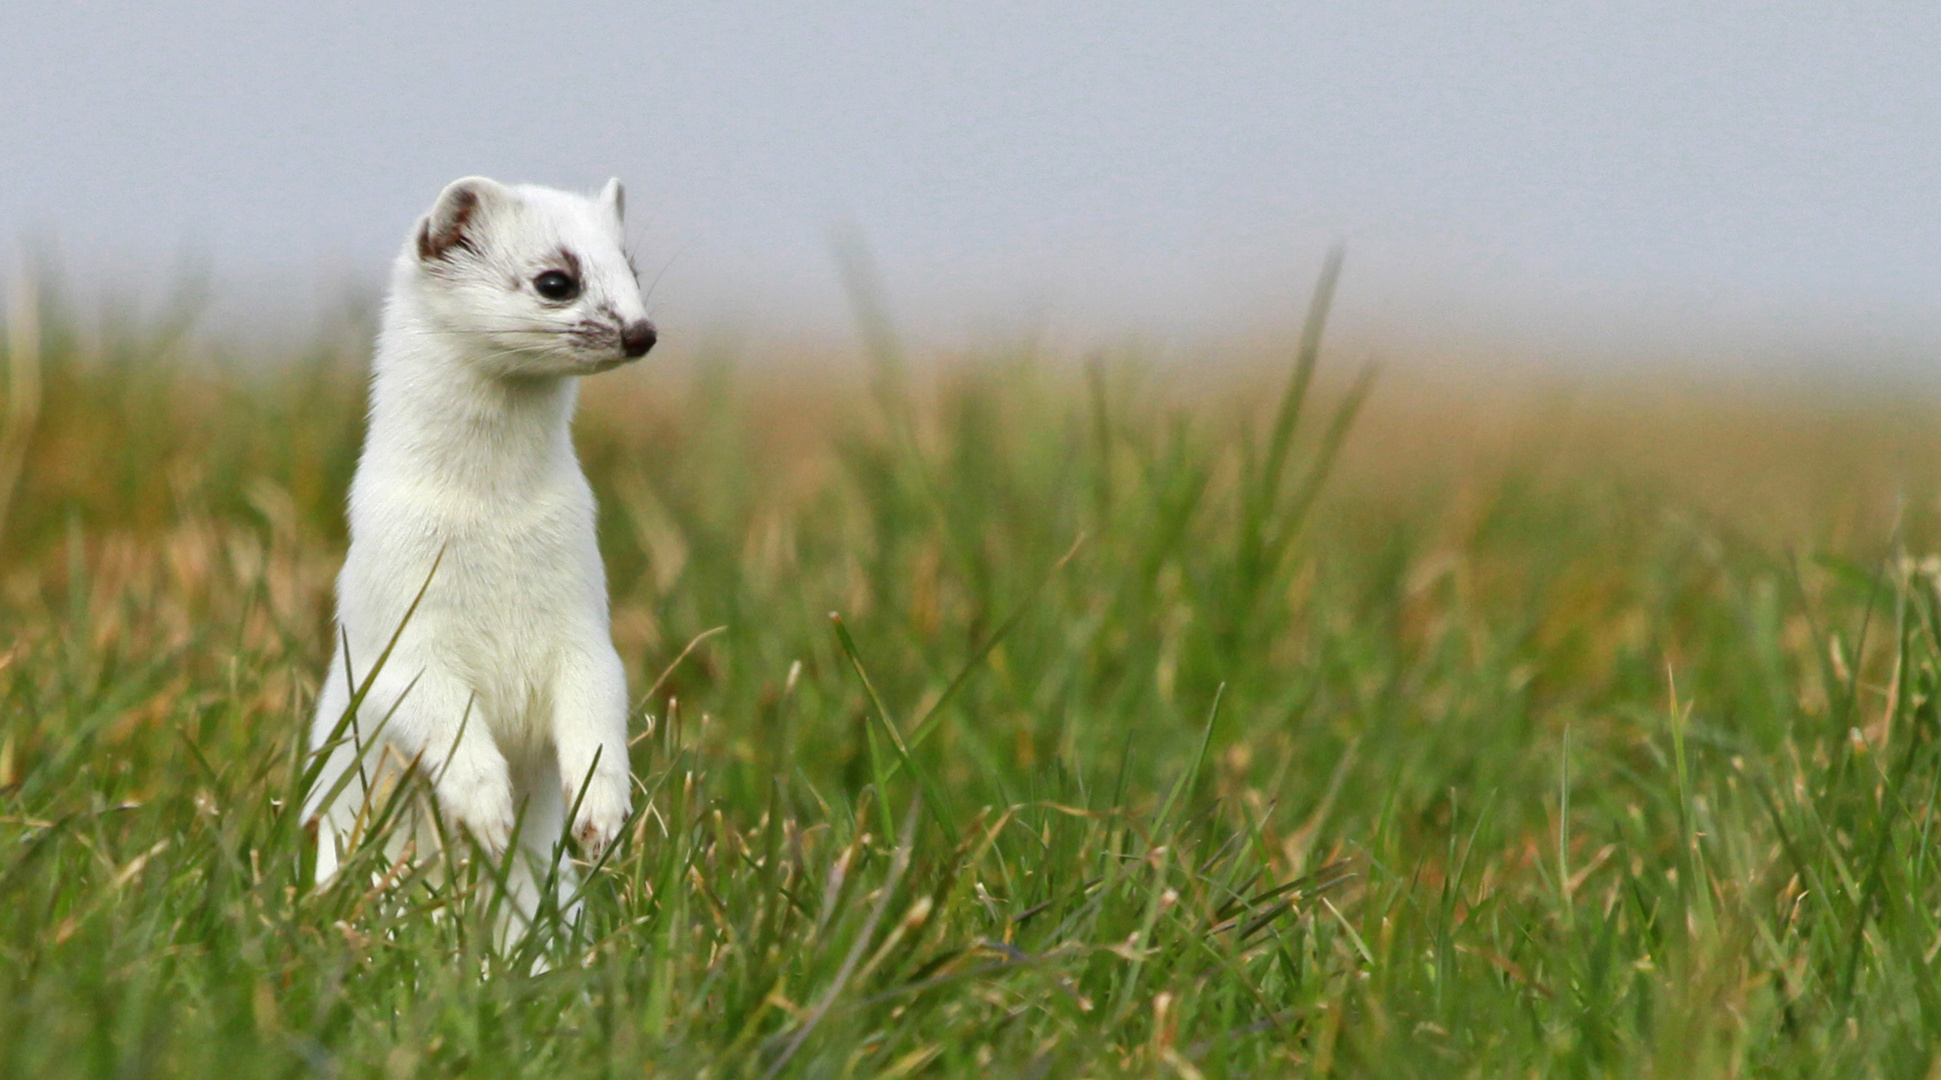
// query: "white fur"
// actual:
[[503, 686]]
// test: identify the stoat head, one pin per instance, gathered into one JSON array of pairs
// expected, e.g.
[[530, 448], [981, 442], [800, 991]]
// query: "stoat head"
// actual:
[[532, 281]]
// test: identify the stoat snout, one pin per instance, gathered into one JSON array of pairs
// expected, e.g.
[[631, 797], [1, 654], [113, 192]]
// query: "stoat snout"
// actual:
[[638, 337]]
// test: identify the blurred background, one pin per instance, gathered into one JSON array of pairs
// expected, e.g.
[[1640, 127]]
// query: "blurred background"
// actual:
[[1719, 186]]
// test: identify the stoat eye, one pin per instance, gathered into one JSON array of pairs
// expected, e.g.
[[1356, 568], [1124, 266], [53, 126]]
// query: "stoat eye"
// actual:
[[556, 285]]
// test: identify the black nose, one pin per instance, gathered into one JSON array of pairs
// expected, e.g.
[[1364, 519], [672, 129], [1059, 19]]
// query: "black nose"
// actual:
[[638, 337]]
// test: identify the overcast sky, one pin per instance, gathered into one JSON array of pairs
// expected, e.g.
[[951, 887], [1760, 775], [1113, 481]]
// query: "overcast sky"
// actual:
[[1559, 172]]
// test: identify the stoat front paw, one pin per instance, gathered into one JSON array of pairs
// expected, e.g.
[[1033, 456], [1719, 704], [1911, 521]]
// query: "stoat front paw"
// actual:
[[482, 808], [601, 812]]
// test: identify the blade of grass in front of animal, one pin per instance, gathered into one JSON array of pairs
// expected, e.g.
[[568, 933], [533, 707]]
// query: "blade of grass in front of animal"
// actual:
[[320, 754], [344, 780]]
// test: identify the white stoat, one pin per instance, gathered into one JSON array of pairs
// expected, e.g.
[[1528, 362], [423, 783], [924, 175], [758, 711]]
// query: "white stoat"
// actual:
[[503, 685]]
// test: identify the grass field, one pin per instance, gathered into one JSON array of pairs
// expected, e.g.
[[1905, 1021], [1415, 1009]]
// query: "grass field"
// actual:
[[1563, 732]]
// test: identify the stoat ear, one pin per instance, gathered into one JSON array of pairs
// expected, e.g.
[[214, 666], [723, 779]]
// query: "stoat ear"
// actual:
[[614, 198], [457, 217]]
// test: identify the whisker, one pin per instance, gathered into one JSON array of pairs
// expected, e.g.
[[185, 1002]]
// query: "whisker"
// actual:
[[657, 277], [496, 330]]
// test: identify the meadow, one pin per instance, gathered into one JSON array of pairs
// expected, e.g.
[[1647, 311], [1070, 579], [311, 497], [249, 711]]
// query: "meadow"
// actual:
[[1014, 715]]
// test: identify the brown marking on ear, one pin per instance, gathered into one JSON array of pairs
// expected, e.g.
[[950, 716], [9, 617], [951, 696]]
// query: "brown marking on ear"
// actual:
[[437, 239]]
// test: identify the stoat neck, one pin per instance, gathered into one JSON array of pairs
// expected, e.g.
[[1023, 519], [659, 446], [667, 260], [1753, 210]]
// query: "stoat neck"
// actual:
[[437, 419]]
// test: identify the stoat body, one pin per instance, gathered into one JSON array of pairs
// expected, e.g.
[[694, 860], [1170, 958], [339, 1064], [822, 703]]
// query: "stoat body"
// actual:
[[502, 686]]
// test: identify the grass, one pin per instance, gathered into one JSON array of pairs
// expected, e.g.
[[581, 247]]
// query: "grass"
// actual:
[[1560, 737]]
